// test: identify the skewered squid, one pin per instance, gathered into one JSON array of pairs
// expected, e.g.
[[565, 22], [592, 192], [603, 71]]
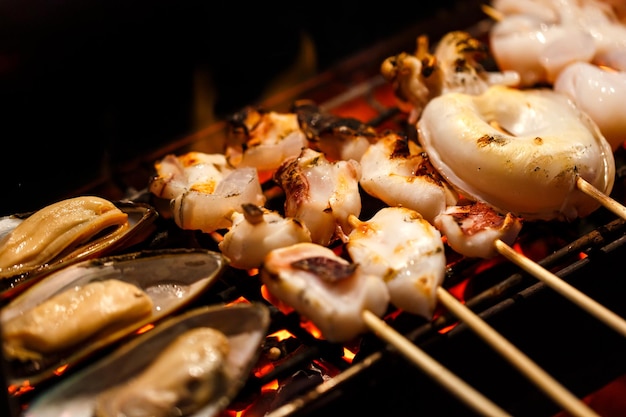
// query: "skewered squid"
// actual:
[[263, 139], [540, 38], [204, 190], [324, 288], [455, 66], [398, 172], [472, 229], [406, 252], [320, 193], [338, 138], [519, 151], [255, 232], [599, 92]]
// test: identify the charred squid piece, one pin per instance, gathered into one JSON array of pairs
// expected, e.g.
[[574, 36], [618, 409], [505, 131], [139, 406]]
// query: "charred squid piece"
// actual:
[[255, 232], [263, 139], [455, 66], [204, 189], [472, 229], [338, 138], [519, 151], [324, 288], [403, 250], [398, 171], [320, 194]]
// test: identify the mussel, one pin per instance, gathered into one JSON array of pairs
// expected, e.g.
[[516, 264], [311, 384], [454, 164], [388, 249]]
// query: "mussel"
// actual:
[[35, 244], [86, 393], [79, 310]]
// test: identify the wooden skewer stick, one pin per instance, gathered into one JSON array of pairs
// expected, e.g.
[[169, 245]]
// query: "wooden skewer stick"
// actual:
[[590, 305], [556, 391], [601, 198], [432, 368]]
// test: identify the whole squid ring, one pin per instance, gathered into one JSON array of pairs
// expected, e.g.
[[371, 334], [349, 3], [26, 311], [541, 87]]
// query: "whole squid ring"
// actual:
[[520, 151]]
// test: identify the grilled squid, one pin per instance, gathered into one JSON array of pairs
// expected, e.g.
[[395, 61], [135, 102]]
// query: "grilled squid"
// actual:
[[57, 228], [472, 229], [519, 151], [338, 138], [540, 38], [210, 211], [398, 172], [263, 139], [255, 232], [204, 189], [177, 174], [320, 194], [455, 66], [404, 251], [324, 288], [599, 92]]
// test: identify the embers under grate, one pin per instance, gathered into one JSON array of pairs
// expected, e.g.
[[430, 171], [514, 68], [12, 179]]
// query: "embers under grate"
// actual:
[[567, 342]]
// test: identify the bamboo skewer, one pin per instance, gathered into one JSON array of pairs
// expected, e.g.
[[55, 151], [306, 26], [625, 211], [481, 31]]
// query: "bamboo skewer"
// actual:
[[432, 368], [537, 375], [591, 306], [609, 203]]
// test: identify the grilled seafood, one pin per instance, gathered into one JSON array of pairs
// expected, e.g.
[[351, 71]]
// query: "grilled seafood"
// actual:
[[210, 211], [186, 375], [102, 300], [455, 66], [598, 92], [398, 172], [472, 229], [263, 139], [177, 174], [400, 247], [529, 163], [255, 232], [57, 229], [245, 326], [61, 323], [204, 190], [540, 38], [324, 288], [320, 193], [338, 138]]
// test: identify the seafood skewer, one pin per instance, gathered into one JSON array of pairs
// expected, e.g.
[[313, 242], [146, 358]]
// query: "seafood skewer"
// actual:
[[546, 172], [377, 245], [577, 47], [343, 301]]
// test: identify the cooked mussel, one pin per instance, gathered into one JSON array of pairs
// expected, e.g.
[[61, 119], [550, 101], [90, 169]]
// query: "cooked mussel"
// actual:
[[88, 392], [33, 245], [80, 309]]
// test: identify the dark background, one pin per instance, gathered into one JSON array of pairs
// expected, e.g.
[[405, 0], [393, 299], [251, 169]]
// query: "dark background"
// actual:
[[88, 83]]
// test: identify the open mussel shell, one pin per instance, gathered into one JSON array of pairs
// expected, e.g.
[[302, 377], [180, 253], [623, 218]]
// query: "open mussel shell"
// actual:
[[244, 324], [141, 218], [172, 278]]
